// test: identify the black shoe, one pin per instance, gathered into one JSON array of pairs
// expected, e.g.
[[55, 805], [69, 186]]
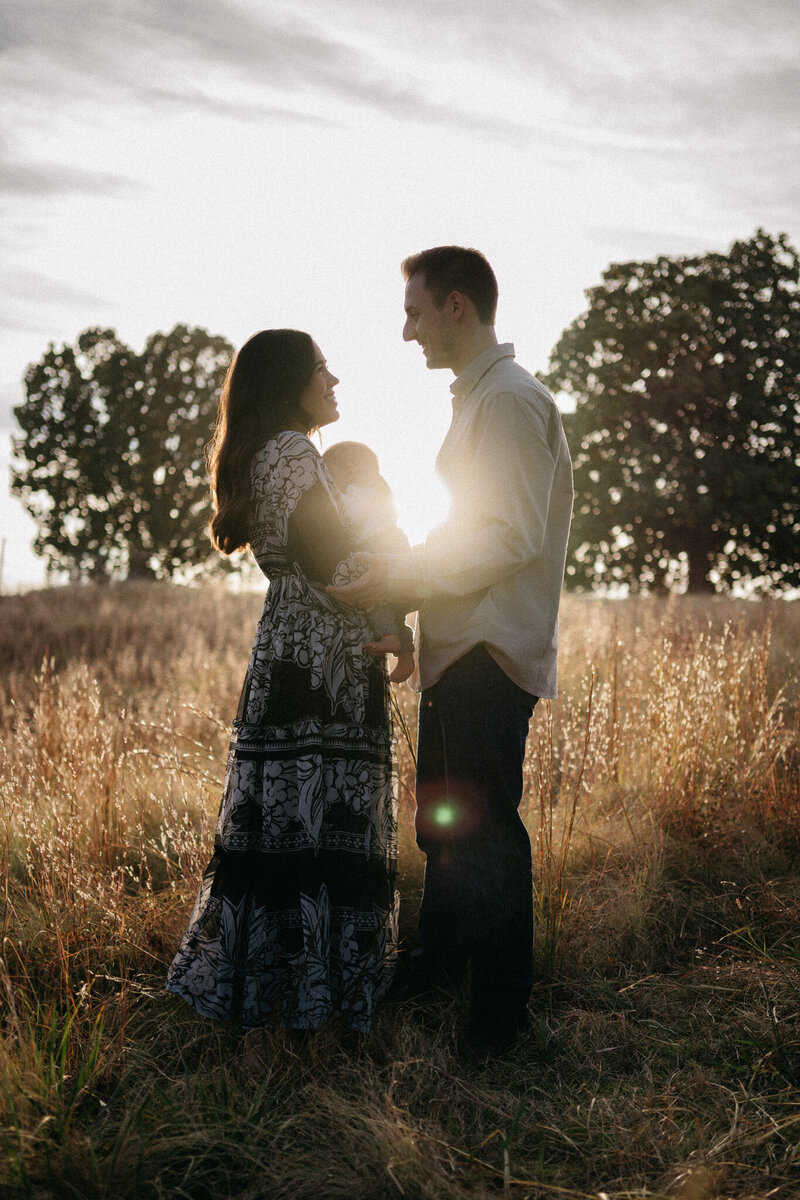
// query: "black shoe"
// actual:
[[478, 1043], [424, 989], [437, 981], [419, 990]]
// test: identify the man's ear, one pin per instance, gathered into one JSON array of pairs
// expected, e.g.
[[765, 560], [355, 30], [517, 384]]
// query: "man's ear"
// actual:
[[455, 304]]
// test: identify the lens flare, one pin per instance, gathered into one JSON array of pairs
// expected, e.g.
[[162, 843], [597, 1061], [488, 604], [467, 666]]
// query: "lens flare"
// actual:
[[444, 814], [448, 810]]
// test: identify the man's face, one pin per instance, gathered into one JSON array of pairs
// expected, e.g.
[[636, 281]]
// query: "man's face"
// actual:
[[427, 324]]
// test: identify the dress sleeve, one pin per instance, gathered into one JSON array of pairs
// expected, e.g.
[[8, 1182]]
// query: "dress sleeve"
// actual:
[[297, 518], [317, 538]]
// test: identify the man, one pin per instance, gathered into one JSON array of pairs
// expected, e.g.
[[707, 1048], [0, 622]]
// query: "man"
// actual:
[[486, 584]]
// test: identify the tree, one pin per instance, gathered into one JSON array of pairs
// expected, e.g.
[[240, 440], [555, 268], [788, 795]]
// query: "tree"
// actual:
[[111, 459], [686, 377]]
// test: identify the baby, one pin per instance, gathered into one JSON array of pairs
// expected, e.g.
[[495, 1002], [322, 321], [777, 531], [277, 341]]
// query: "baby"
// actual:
[[369, 506]]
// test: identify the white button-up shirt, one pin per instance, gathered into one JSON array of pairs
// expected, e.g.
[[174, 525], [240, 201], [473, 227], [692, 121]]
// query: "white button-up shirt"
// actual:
[[492, 572]]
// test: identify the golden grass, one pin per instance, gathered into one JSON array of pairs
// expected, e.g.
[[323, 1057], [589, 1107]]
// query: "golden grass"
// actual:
[[662, 796]]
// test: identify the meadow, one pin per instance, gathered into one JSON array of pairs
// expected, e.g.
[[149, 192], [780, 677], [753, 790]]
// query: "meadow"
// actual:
[[662, 799]]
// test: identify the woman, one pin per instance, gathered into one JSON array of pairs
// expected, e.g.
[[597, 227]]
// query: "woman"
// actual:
[[296, 918]]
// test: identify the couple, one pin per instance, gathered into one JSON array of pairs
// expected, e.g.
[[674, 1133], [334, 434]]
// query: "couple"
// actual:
[[296, 918]]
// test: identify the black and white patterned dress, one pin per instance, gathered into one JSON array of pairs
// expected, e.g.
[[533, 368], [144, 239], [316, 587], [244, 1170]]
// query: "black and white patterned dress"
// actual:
[[296, 918]]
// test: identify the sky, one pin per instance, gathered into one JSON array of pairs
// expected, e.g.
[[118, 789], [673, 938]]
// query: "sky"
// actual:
[[241, 165]]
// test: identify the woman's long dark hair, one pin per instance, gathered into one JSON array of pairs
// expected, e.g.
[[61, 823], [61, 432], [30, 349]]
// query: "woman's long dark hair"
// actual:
[[258, 399]]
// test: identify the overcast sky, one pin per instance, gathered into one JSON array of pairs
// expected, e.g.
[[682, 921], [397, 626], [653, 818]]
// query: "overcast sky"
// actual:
[[241, 165]]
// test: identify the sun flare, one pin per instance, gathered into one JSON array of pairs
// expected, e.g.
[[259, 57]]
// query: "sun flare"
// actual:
[[422, 504]]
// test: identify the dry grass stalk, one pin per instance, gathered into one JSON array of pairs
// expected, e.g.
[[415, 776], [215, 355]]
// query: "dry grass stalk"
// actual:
[[663, 790]]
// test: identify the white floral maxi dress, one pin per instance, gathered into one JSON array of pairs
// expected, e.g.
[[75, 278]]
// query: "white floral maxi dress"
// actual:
[[296, 918]]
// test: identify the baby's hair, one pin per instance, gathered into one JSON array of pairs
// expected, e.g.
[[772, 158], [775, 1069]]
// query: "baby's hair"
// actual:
[[353, 454], [362, 460]]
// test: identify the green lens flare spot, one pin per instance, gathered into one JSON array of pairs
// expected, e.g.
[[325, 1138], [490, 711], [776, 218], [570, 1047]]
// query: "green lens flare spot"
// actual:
[[444, 814]]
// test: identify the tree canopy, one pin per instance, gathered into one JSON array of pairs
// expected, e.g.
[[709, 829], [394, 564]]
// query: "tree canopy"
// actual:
[[111, 459], [686, 377]]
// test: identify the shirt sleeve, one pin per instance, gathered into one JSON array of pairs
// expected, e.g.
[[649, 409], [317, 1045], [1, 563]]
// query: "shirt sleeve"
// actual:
[[499, 513]]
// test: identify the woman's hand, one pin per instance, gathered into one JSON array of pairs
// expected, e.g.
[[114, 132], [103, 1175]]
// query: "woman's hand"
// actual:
[[369, 589]]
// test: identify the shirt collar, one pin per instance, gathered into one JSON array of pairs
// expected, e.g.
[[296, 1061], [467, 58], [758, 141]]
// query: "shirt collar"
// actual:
[[469, 378]]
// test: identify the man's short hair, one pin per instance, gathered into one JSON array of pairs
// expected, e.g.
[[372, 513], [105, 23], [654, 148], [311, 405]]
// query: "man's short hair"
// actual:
[[449, 269]]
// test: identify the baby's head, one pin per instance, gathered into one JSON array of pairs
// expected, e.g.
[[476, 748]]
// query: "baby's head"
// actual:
[[352, 462]]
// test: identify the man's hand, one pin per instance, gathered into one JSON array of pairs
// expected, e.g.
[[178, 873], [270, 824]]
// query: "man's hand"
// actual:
[[369, 589]]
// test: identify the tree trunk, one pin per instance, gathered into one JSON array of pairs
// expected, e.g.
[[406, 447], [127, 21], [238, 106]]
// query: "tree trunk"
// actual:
[[699, 564], [138, 565]]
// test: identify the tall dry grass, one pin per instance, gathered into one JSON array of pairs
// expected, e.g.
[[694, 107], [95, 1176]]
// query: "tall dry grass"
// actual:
[[662, 798]]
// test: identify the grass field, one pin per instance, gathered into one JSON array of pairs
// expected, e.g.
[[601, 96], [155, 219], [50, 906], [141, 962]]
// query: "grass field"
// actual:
[[662, 798]]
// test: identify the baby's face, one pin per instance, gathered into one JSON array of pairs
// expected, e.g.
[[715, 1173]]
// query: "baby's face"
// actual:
[[364, 476], [345, 474]]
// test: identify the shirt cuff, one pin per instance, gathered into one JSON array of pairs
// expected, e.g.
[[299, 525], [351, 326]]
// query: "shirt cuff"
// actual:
[[407, 576]]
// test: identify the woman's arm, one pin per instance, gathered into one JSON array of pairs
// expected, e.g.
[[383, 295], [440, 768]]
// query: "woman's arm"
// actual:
[[317, 539], [296, 518]]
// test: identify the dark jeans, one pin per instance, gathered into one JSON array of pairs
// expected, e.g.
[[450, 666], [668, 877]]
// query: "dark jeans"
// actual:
[[477, 903]]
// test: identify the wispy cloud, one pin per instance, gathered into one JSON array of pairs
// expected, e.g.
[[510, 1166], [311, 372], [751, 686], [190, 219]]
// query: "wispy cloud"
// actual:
[[639, 243], [193, 98], [646, 74], [207, 49], [19, 178], [707, 91], [637, 64], [25, 286], [712, 86]]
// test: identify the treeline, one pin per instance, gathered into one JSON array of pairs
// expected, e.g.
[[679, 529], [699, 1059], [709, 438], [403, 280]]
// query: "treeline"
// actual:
[[685, 375]]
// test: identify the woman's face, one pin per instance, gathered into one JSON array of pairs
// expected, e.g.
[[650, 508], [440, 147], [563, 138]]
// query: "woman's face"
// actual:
[[317, 400]]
